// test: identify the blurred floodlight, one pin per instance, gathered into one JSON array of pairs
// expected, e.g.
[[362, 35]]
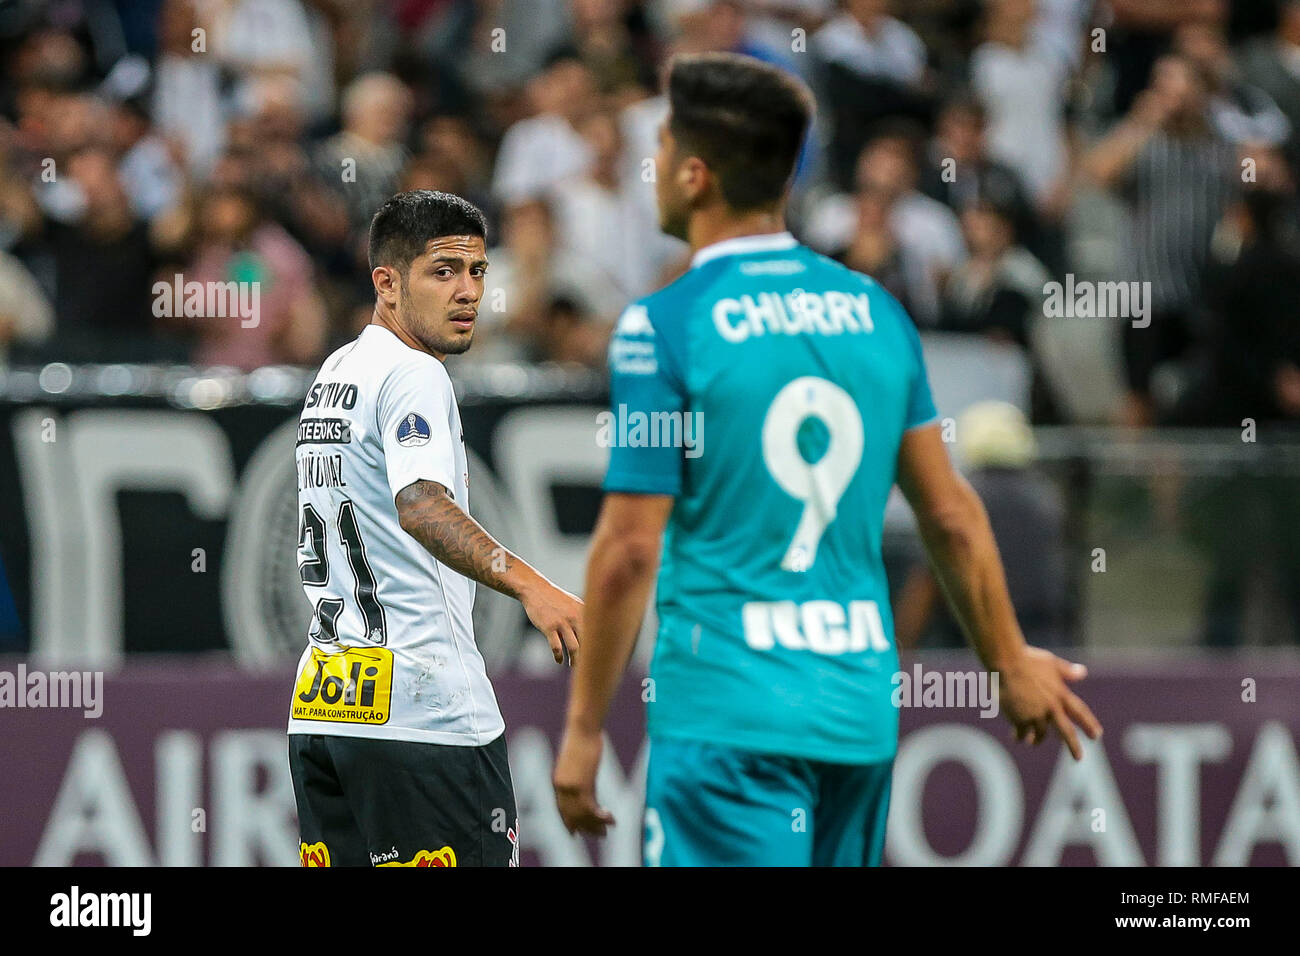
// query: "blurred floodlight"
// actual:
[[55, 378]]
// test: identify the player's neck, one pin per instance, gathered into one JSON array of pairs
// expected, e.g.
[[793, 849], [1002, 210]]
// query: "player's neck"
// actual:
[[706, 228], [387, 321]]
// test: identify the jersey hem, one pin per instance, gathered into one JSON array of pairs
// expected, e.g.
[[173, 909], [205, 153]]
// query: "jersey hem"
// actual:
[[407, 734], [759, 744]]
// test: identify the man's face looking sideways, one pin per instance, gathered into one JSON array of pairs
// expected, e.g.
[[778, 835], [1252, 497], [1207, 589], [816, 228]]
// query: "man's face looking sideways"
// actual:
[[438, 296]]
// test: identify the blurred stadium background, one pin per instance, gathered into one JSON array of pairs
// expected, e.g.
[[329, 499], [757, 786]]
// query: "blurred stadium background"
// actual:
[[1142, 470]]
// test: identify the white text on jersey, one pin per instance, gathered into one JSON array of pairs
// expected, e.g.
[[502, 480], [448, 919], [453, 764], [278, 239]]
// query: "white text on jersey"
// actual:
[[792, 313], [822, 627]]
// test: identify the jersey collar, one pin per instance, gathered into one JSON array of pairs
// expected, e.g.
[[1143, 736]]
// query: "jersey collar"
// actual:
[[744, 245]]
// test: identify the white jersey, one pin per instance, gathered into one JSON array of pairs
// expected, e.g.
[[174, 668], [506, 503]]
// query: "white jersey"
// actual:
[[391, 651]]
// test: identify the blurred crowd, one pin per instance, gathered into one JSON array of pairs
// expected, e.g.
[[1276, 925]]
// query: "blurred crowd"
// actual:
[[967, 153]]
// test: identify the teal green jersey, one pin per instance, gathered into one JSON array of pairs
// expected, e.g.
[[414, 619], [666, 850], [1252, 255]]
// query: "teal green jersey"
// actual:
[[768, 390]]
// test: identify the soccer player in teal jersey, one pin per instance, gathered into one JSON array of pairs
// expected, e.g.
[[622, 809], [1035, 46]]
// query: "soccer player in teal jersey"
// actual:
[[763, 406]]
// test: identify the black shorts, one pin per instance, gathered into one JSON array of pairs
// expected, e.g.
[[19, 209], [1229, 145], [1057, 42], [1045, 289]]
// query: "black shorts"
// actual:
[[364, 802]]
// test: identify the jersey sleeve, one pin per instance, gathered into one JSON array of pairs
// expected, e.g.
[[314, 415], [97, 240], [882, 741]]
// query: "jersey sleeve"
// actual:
[[645, 381], [413, 410]]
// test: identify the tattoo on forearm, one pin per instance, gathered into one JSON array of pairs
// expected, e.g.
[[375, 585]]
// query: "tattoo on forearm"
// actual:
[[447, 532]]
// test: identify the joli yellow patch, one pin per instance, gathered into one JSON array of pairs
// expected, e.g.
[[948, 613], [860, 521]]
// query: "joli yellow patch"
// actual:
[[353, 686]]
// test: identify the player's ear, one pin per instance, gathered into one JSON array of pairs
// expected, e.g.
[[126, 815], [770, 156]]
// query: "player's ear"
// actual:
[[693, 178], [387, 283]]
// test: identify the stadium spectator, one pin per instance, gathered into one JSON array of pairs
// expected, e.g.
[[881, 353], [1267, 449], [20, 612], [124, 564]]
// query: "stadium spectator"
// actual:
[[147, 170], [188, 104], [1022, 82], [958, 169], [621, 62], [773, 24], [1241, 113], [254, 39], [47, 59], [1061, 28], [721, 26], [20, 216], [599, 218], [362, 163], [236, 244], [999, 289], [485, 53], [1247, 524], [526, 273], [268, 156], [432, 170], [927, 232], [570, 335], [453, 140], [869, 66], [103, 264], [1021, 85], [1140, 33], [1273, 65], [239, 98], [546, 148], [873, 250], [1177, 173], [1254, 300], [61, 125], [26, 316]]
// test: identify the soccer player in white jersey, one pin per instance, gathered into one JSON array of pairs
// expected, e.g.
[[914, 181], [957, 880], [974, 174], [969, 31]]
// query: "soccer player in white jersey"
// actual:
[[396, 744]]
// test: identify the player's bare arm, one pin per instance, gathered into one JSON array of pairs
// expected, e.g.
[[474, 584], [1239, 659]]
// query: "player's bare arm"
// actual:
[[620, 573], [1033, 682], [429, 514]]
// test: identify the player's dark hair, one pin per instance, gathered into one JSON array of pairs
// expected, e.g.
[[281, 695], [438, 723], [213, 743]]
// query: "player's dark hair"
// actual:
[[746, 119], [404, 225]]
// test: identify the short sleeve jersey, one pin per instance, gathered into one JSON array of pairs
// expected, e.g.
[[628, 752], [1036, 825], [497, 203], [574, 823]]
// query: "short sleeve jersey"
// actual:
[[768, 390], [391, 651]]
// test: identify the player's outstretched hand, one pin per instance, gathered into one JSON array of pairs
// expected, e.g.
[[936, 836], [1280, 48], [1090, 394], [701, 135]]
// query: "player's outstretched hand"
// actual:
[[1035, 697], [558, 615], [575, 783]]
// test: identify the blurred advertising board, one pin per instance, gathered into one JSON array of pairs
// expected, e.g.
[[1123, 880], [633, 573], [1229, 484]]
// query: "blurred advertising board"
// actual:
[[187, 765]]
